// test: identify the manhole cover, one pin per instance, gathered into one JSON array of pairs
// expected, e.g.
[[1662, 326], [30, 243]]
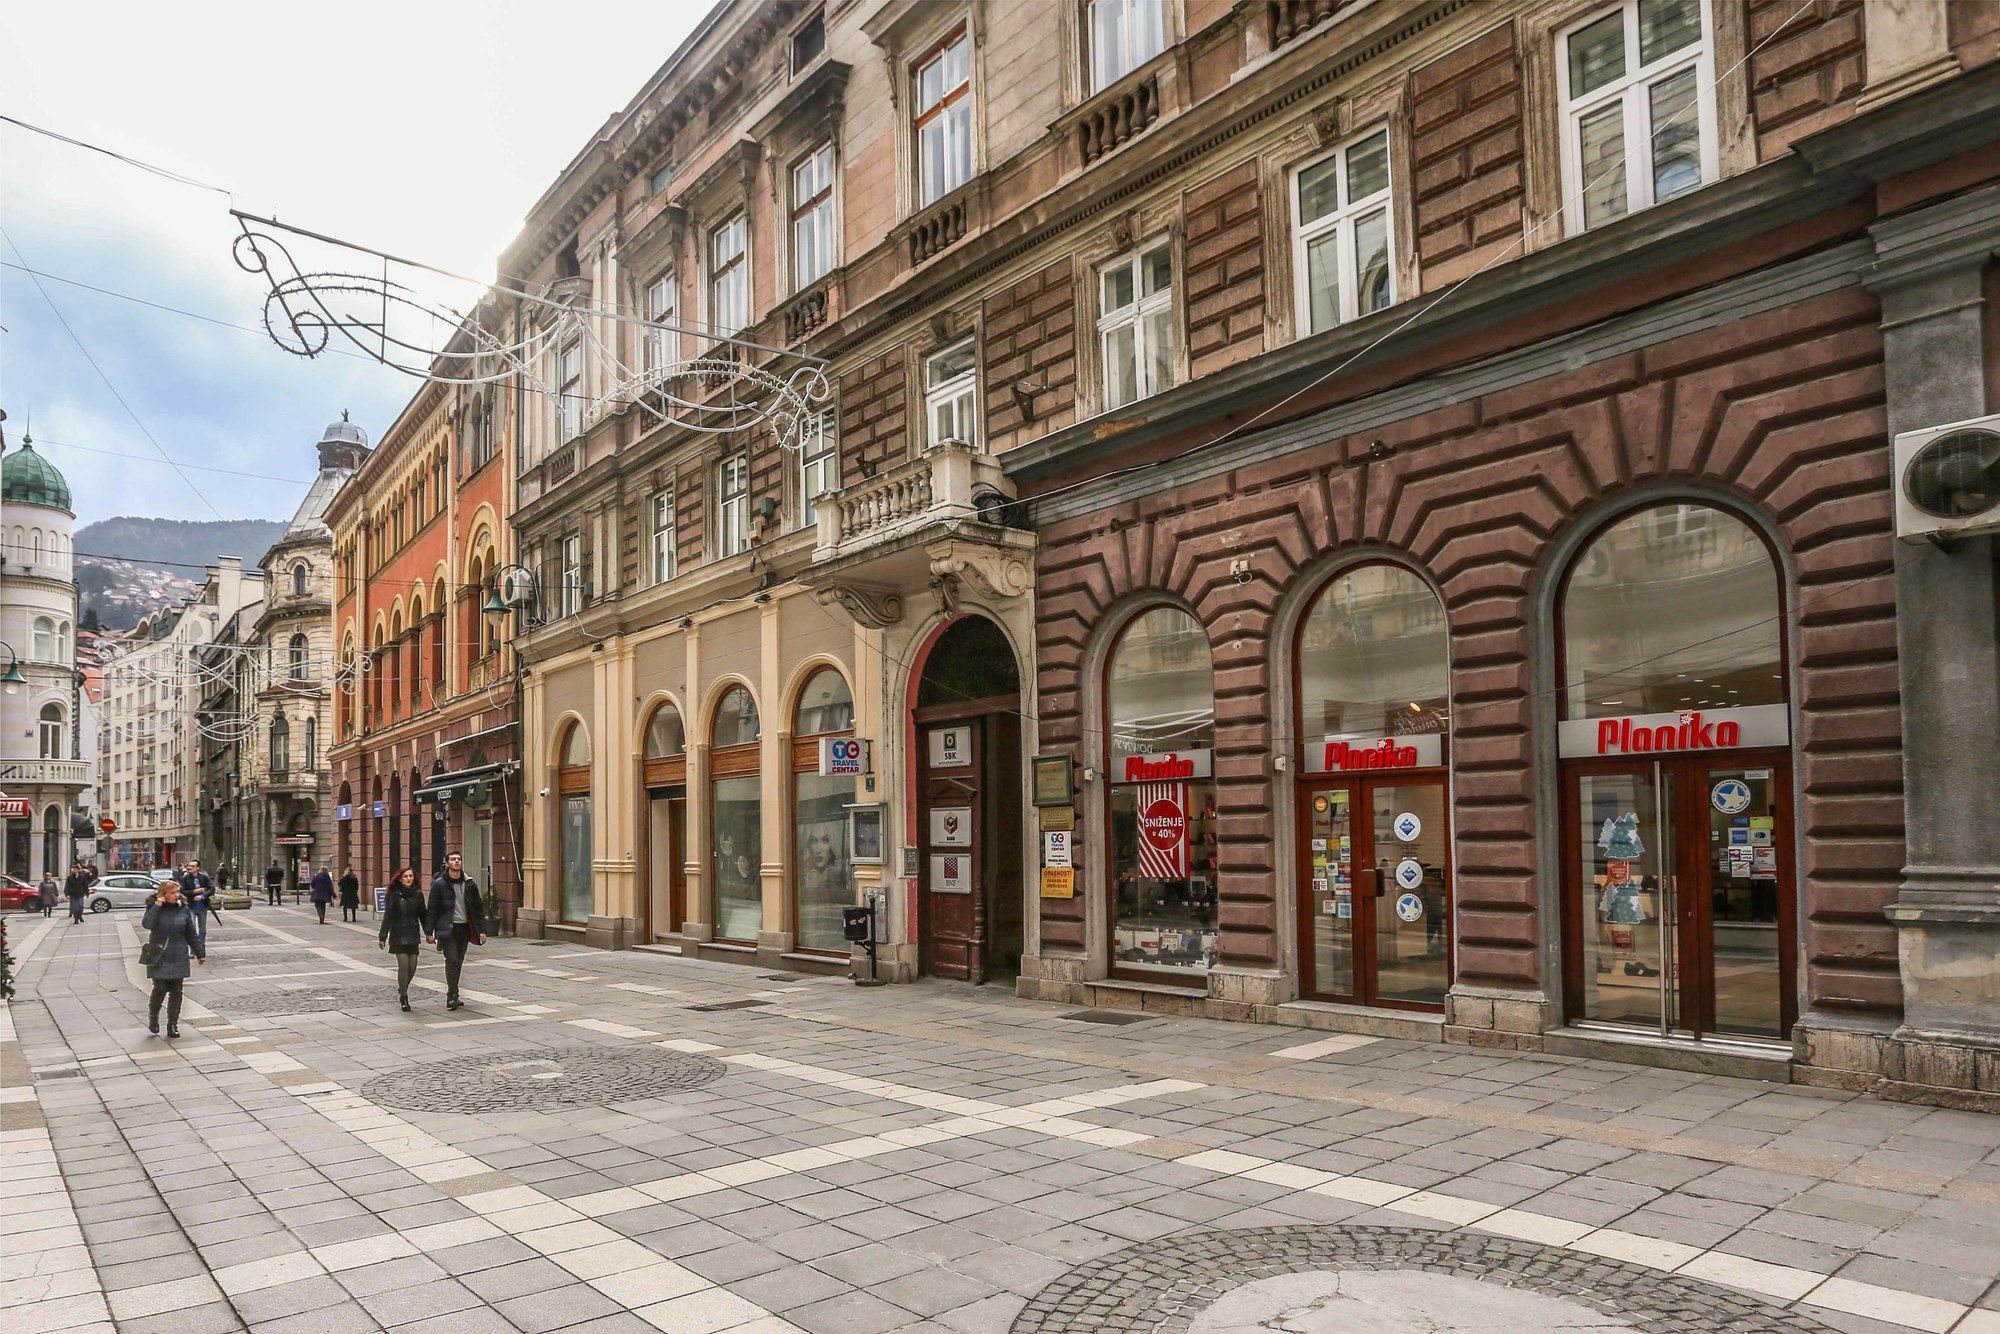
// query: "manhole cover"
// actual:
[[305, 998], [542, 1078], [1116, 1018], [1329, 1279]]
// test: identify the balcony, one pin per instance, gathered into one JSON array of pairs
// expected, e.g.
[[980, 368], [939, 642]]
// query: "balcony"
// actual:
[[47, 773], [935, 524], [1122, 114]]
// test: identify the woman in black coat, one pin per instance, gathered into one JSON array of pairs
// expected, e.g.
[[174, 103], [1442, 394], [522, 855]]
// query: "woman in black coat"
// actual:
[[403, 921], [350, 898], [171, 928]]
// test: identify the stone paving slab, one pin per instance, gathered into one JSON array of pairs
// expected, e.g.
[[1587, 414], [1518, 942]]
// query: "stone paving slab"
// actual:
[[924, 1157]]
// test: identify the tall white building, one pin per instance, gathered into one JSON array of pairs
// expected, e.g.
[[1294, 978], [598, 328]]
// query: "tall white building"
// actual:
[[152, 686], [43, 771]]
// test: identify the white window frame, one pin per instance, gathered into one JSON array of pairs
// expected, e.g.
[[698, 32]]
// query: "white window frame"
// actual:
[[813, 237], [1343, 220], [1631, 90], [956, 396], [569, 391], [49, 732], [951, 112], [1108, 67], [1136, 316], [569, 575], [732, 506], [663, 535], [729, 276], [819, 466], [659, 310], [45, 639]]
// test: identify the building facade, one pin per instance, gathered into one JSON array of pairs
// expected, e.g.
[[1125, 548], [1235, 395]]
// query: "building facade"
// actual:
[[424, 748], [150, 757], [44, 773], [1363, 516]]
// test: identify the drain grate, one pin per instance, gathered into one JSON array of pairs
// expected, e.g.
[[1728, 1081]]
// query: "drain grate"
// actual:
[[58, 1074], [1115, 1018], [728, 1005]]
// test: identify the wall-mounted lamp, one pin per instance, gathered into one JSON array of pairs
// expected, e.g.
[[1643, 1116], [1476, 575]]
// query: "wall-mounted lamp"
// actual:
[[1280, 763]]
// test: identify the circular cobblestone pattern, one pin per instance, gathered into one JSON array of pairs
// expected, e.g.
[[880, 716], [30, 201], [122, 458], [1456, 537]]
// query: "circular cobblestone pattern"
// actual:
[[1330, 1279], [542, 1078], [305, 998]]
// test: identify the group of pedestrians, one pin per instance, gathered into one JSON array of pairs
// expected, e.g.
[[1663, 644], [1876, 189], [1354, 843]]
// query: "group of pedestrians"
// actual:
[[75, 887], [452, 917]]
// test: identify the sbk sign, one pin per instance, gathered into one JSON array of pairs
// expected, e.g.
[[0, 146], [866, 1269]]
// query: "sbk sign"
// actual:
[[1691, 730]]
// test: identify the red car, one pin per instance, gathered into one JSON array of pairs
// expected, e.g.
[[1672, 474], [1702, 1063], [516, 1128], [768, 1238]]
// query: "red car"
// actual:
[[19, 895]]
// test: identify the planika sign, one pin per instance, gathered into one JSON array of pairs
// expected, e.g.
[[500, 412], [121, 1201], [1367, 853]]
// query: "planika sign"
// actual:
[[1690, 730], [1163, 768], [1357, 754]]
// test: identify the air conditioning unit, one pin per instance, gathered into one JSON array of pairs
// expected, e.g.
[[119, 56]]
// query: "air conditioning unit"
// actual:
[[1948, 481]]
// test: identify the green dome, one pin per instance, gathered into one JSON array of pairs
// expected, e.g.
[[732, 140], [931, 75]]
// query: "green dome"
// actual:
[[26, 478]]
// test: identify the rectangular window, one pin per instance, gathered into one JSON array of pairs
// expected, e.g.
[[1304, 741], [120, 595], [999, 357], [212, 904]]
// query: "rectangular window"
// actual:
[[732, 507], [728, 278], [659, 311], [1638, 98], [1124, 34], [1135, 324], [951, 394], [569, 576], [812, 218], [1340, 243], [662, 176], [569, 396], [808, 41], [663, 536], [819, 466], [944, 119]]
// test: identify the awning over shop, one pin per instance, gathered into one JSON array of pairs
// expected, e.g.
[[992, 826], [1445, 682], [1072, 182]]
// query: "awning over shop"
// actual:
[[472, 786]]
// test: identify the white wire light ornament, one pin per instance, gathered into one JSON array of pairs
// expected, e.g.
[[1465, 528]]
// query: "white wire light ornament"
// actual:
[[733, 384]]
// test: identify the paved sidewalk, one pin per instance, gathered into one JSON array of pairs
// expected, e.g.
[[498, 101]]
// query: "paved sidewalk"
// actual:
[[629, 1142]]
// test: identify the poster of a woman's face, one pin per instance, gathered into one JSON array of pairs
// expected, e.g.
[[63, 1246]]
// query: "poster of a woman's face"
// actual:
[[864, 832]]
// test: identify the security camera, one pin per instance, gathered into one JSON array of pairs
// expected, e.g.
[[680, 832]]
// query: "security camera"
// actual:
[[543, 793]]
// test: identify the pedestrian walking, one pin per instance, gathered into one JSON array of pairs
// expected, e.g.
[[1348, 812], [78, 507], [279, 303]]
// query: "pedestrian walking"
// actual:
[[198, 892], [350, 884], [405, 917], [274, 883], [458, 919], [350, 894], [76, 885], [171, 939], [48, 892], [322, 894]]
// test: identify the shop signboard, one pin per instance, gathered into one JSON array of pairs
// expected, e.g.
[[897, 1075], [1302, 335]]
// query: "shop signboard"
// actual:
[[1058, 882], [950, 747], [344, 811], [1058, 817], [1362, 754], [13, 808], [1688, 730], [379, 809], [1163, 830], [951, 873], [1055, 848], [1167, 766], [951, 826], [843, 756]]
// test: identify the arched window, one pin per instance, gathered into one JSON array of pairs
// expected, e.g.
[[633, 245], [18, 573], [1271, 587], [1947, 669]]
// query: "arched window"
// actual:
[[414, 852], [62, 641], [34, 546], [301, 577], [49, 731], [281, 747], [822, 875], [392, 837], [298, 656], [1674, 733], [1160, 707], [45, 639], [736, 818], [1373, 715], [573, 829], [344, 825], [665, 736], [312, 744]]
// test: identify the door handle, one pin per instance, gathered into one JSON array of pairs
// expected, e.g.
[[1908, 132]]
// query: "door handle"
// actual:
[[1369, 881]]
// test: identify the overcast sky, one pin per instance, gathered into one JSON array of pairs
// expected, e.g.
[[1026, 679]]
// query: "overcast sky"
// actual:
[[423, 128]]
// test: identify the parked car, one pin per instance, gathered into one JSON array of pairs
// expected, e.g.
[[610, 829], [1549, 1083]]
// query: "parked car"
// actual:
[[123, 889], [19, 895]]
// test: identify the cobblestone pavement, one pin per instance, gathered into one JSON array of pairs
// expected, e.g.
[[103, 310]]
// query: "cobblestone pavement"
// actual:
[[593, 1144]]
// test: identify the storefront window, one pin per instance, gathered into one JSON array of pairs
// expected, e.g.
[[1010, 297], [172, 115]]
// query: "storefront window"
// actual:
[[665, 737], [1160, 690], [1672, 608], [736, 815], [578, 890], [1372, 658], [822, 876]]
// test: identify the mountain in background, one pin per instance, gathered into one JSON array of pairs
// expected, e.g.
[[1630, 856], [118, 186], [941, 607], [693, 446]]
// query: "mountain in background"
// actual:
[[129, 566]]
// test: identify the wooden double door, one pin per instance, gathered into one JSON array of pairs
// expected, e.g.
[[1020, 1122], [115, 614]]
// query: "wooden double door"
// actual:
[[1374, 891], [1679, 906], [970, 907]]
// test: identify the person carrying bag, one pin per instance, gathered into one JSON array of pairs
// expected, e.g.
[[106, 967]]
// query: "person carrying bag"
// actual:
[[171, 941]]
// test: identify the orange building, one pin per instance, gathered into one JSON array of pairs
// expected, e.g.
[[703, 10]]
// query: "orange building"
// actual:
[[426, 745]]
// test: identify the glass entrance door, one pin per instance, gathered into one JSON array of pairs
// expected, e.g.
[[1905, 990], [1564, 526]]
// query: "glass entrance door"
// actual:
[[1681, 896], [1375, 893]]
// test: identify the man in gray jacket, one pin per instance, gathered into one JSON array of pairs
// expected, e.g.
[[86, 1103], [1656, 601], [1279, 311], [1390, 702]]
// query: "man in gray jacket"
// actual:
[[458, 917]]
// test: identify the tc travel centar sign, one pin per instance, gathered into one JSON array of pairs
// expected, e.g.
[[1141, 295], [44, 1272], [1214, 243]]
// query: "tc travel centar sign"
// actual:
[[1694, 729]]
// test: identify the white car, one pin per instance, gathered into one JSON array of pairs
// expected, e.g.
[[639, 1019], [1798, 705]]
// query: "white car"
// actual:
[[122, 889]]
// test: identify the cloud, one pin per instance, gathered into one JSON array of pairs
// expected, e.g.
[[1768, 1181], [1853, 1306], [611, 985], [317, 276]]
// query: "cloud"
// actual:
[[425, 129]]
